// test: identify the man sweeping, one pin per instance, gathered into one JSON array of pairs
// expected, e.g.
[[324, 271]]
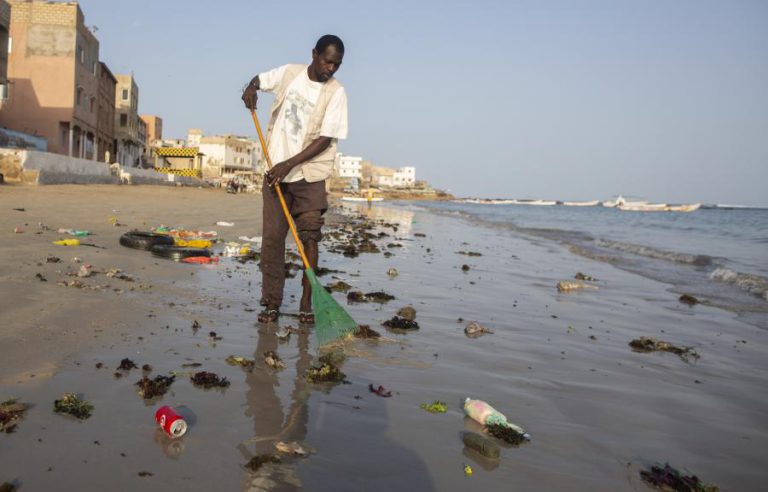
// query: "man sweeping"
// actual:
[[308, 117]]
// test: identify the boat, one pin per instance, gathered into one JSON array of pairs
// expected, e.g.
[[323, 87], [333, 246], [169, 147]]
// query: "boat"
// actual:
[[692, 207], [643, 207], [361, 199], [582, 204], [614, 203], [536, 202]]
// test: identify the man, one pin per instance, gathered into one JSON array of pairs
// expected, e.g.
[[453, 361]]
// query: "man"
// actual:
[[308, 117]]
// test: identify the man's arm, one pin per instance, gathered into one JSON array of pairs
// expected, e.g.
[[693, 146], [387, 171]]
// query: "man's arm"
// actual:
[[249, 94], [281, 170]]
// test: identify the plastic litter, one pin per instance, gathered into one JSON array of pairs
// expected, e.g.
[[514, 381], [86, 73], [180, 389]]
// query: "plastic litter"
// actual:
[[225, 224], [201, 260], [74, 232], [170, 421], [193, 243], [67, 242], [467, 470], [485, 414], [381, 391]]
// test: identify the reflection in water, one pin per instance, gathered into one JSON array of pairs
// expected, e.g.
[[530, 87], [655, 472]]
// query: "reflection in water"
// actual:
[[172, 448], [270, 424], [402, 218]]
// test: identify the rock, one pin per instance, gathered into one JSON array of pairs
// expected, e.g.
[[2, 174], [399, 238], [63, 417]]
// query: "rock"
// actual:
[[688, 299], [407, 312], [465, 268]]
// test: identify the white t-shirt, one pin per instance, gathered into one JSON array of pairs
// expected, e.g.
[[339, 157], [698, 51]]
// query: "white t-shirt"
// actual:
[[291, 125]]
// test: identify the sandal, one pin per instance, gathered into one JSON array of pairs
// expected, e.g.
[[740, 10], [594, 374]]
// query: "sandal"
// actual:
[[306, 318], [268, 315]]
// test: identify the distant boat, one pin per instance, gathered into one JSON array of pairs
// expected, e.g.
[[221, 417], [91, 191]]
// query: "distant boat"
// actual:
[[535, 202], [643, 207], [684, 208], [582, 204], [361, 199], [614, 203]]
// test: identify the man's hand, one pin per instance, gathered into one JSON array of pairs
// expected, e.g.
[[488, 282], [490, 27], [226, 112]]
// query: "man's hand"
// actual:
[[278, 172], [250, 94]]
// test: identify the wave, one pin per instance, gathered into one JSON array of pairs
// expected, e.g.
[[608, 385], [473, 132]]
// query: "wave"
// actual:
[[688, 259], [754, 284]]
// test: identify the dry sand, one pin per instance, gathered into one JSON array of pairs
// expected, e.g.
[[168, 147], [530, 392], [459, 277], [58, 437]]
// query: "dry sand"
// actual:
[[557, 363]]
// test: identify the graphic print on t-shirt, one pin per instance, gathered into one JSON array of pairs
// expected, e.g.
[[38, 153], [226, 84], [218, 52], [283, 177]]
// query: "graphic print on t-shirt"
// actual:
[[297, 109]]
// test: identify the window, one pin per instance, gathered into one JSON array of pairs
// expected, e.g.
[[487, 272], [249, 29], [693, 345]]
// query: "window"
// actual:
[[79, 100], [81, 51], [10, 45], [123, 119], [93, 69], [125, 94], [92, 104]]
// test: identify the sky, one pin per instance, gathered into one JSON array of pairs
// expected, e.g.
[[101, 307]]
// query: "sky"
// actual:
[[569, 100]]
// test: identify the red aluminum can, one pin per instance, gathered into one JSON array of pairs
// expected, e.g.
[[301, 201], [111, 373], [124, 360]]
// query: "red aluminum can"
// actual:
[[170, 421]]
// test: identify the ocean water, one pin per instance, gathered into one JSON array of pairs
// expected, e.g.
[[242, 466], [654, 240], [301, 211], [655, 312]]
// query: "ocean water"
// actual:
[[719, 255]]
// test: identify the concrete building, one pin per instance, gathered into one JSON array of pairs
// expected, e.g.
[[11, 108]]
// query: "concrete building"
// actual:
[[53, 74], [154, 132], [404, 177], [226, 156], [383, 176], [129, 146], [105, 120], [5, 25], [348, 166]]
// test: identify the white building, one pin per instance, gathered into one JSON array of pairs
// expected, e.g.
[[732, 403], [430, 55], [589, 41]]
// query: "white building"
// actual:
[[404, 177], [348, 166], [226, 156]]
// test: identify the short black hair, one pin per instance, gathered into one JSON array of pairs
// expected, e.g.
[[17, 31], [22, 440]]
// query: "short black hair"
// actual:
[[329, 40]]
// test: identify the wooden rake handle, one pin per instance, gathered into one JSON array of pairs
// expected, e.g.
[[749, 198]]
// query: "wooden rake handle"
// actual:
[[288, 217]]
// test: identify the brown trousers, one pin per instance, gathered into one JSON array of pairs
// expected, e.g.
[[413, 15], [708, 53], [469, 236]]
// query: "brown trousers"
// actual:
[[307, 202]]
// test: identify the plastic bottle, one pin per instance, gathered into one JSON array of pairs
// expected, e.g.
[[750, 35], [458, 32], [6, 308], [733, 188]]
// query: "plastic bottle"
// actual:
[[485, 414], [68, 242]]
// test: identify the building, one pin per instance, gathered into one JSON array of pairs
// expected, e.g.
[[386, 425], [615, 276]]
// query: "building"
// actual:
[[382, 176], [128, 144], [226, 156], [347, 166], [5, 25], [182, 161], [105, 119], [53, 75], [154, 131], [404, 177]]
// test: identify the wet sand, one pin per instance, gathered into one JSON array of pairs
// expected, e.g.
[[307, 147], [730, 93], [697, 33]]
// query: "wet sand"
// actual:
[[557, 364]]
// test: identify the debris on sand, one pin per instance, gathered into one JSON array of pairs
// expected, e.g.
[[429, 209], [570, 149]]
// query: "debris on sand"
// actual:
[[326, 372], [584, 276], [247, 364], [506, 433], [293, 448], [208, 380], [408, 312], [469, 253], [401, 323], [72, 405], [436, 406], [380, 390], [688, 299], [151, 388], [119, 274], [392, 272], [419, 234], [365, 331], [568, 286], [649, 344], [339, 286], [144, 474], [126, 365], [475, 329], [273, 360], [85, 270], [52, 259], [381, 297], [40, 277], [195, 326], [465, 268], [261, 459], [670, 479], [11, 412]]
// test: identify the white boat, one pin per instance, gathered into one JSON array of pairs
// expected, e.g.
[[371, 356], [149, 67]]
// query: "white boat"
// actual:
[[536, 202], [614, 203], [361, 199], [692, 207], [581, 204], [643, 207]]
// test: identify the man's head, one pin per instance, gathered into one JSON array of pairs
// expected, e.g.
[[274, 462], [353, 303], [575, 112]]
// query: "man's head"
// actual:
[[326, 57]]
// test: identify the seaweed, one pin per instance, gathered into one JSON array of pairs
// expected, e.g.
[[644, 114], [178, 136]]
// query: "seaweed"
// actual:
[[670, 479], [469, 253], [688, 299], [11, 412], [326, 372], [584, 276], [247, 364], [151, 388], [126, 365], [208, 380], [649, 344], [339, 286], [365, 331], [379, 296], [436, 406], [261, 459], [72, 405], [401, 323], [506, 433]]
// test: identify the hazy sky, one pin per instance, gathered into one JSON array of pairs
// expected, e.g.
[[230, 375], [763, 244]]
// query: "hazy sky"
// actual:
[[662, 99]]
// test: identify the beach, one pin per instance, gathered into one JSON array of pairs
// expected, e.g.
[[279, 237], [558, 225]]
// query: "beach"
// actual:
[[557, 364]]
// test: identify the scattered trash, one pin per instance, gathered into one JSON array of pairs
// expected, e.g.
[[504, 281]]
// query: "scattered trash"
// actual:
[[72, 405], [144, 474], [365, 331], [392, 272], [465, 268], [151, 388], [584, 276], [401, 323], [171, 422], [568, 286], [408, 313], [18, 230], [283, 333], [436, 406], [326, 372], [254, 239], [40, 277], [467, 470], [67, 242], [481, 444], [145, 240], [52, 259], [670, 479], [118, 274], [495, 421], [381, 391], [381, 297], [469, 253], [247, 364], [261, 459], [74, 232], [86, 270], [11, 412], [235, 250], [193, 243], [208, 380], [201, 260], [214, 336], [506, 433], [688, 299], [126, 365], [649, 344], [293, 448], [273, 360], [475, 329], [225, 224]]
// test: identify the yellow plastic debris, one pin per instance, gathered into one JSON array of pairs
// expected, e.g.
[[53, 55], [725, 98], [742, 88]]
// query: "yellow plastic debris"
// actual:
[[467, 470], [194, 243], [68, 242]]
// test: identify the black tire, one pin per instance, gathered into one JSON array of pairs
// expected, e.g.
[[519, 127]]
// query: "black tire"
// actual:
[[145, 240], [178, 253]]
